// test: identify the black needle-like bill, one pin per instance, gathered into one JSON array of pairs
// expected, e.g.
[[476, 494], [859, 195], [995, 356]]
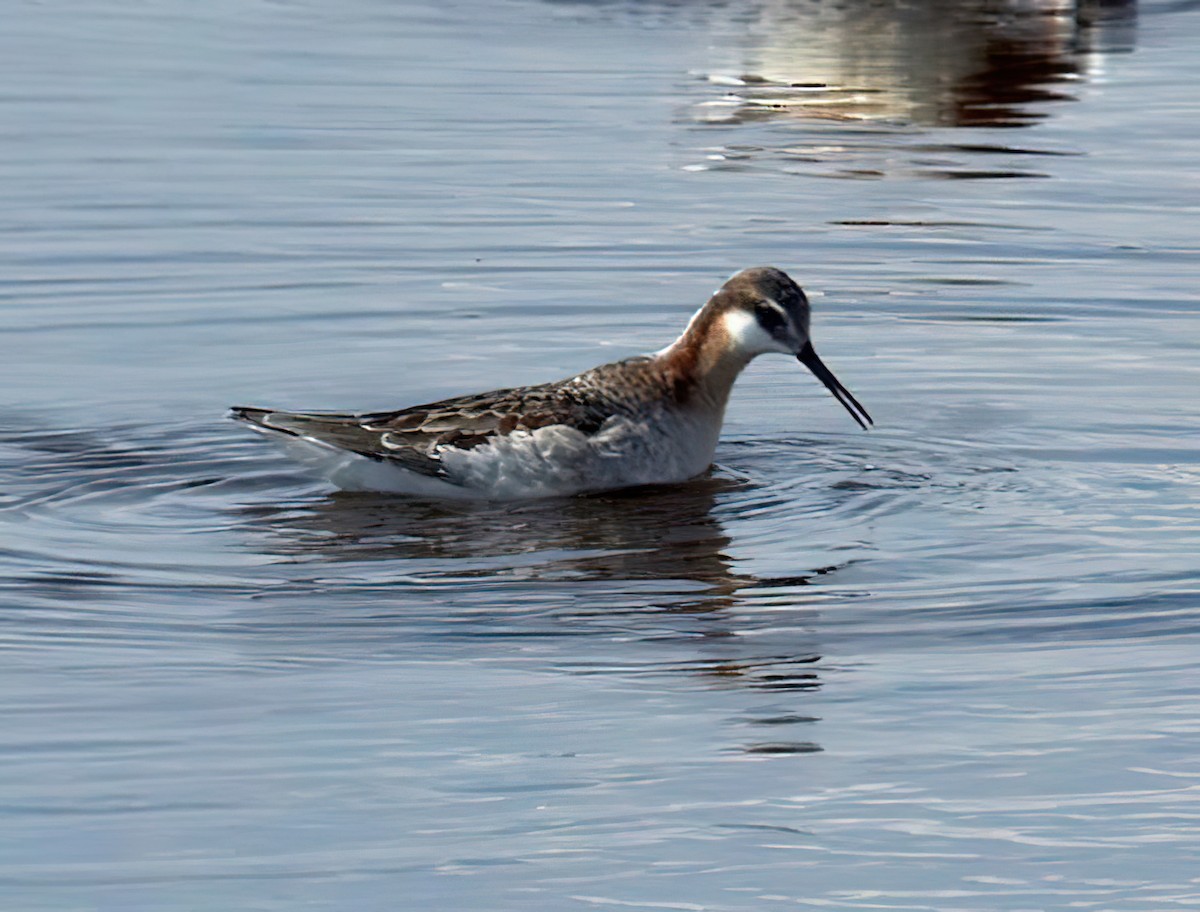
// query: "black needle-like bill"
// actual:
[[809, 359]]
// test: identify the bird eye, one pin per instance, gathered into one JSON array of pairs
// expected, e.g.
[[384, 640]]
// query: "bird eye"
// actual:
[[769, 318]]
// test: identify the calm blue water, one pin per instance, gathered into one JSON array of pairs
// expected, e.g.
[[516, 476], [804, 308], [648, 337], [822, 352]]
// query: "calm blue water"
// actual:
[[949, 664]]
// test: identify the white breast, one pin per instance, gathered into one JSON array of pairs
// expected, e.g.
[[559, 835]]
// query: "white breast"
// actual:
[[660, 448]]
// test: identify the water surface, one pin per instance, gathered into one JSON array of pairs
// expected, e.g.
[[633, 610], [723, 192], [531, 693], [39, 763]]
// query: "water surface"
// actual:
[[949, 664]]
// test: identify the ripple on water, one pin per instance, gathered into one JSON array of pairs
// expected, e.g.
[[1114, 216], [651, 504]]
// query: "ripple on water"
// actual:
[[947, 663], [788, 533]]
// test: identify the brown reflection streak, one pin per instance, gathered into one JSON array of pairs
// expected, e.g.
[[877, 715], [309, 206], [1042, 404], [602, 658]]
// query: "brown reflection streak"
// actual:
[[939, 63], [648, 534], [670, 537]]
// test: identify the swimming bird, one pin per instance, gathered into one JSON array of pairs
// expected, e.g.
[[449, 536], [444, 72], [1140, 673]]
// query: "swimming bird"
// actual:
[[652, 419]]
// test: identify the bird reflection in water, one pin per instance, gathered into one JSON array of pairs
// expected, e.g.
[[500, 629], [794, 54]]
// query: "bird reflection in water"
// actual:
[[973, 63], [648, 569]]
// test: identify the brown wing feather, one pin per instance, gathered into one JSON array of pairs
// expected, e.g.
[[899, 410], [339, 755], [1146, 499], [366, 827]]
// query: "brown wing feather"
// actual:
[[413, 437]]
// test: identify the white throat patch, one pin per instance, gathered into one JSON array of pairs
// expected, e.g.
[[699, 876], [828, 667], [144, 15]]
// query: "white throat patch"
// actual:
[[747, 336]]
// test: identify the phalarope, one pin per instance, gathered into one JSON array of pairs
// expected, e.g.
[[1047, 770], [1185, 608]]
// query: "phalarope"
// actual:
[[652, 419]]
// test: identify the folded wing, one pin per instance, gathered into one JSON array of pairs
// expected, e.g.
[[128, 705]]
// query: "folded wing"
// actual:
[[417, 437]]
